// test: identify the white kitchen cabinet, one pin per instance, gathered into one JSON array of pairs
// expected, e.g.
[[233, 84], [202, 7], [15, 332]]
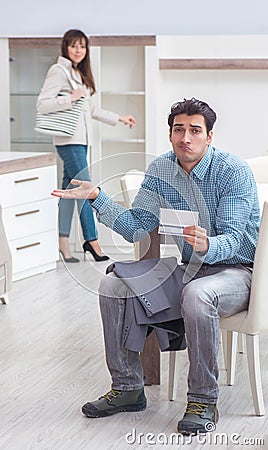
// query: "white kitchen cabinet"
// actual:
[[29, 211]]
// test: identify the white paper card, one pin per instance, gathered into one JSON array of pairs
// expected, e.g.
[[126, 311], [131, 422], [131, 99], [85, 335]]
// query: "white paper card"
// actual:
[[173, 221]]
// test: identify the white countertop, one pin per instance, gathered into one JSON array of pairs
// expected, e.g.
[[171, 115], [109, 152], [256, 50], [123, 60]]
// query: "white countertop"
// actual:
[[11, 156], [18, 161]]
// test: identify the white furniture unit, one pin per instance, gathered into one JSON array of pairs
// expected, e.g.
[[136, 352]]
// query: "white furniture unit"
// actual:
[[29, 211], [125, 70], [30, 60]]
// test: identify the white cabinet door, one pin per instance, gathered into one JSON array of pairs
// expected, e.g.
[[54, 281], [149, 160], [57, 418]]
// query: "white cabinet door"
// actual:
[[33, 254], [30, 218], [27, 185]]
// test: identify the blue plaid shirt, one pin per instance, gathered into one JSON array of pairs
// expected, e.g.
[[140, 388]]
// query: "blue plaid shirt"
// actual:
[[221, 187]]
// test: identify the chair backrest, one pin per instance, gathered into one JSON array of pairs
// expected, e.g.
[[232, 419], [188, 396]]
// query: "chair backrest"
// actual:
[[259, 167], [257, 317], [130, 184]]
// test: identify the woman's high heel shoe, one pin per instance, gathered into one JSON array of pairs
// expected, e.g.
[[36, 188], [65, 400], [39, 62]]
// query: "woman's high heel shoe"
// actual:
[[69, 260], [87, 247]]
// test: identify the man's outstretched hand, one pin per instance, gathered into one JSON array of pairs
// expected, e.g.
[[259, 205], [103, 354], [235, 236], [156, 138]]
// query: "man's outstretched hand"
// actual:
[[84, 190]]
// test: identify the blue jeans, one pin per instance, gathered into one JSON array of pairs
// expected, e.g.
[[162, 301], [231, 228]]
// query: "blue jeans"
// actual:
[[216, 291], [75, 165]]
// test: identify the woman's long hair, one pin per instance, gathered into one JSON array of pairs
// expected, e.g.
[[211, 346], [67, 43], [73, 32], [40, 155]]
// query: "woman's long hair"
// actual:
[[84, 67]]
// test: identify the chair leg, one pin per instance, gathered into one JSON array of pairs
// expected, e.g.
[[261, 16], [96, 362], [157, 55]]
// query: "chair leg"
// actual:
[[172, 375], [4, 299], [231, 356], [224, 346], [253, 357], [241, 343]]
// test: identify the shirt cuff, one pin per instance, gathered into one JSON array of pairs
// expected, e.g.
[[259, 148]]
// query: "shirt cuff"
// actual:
[[211, 255], [100, 200]]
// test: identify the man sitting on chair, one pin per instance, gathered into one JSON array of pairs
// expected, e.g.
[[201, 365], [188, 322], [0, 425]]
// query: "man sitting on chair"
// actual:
[[217, 258]]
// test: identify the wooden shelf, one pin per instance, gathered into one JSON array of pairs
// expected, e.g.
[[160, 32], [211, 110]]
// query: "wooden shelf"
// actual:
[[213, 64], [117, 41], [108, 41], [24, 94], [32, 42]]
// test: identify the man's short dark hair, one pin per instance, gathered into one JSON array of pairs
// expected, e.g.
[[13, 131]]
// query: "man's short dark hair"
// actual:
[[190, 107]]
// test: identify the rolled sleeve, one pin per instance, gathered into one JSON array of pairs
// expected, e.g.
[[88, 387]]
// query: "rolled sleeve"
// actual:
[[103, 115]]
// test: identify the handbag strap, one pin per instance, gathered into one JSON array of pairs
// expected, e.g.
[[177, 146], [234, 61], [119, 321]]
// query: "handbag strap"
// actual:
[[67, 73]]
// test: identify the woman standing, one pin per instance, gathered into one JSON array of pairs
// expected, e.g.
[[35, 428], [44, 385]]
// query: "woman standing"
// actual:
[[58, 95]]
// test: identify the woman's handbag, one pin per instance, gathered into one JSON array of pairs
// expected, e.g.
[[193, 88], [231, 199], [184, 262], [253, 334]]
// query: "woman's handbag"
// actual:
[[60, 123]]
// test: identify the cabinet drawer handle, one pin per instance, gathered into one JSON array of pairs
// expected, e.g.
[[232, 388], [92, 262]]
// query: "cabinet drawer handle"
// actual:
[[34, 211], [28, 245], [26, 179]]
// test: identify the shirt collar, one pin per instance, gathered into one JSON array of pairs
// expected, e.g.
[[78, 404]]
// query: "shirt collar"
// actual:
[[65, 62], [201, 168]]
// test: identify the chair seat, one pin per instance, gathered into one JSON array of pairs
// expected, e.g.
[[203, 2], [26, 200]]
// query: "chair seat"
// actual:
[[236, 322], [240, 323]]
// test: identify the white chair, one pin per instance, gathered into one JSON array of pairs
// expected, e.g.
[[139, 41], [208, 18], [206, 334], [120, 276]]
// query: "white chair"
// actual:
[[5, 264], [259, 167], [130, 184], [253, 321]]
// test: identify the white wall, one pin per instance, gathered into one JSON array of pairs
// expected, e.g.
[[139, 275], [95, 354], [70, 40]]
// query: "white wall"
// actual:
[[29, 17], [239, 97]]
